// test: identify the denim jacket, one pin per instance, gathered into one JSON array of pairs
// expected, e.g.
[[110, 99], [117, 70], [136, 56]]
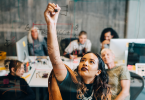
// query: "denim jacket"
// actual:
[[38, 48]]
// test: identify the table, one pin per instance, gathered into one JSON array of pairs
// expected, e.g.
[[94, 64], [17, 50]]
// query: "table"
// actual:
[[71, 63], [37, 81], [43, 82]]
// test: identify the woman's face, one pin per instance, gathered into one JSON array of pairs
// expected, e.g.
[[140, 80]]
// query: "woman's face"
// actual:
[[20, 71], [108, 36], [82, 39], [88, 67], [34, 34]]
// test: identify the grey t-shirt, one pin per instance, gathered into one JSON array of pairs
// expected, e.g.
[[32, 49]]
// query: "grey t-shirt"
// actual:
[[117, 74]]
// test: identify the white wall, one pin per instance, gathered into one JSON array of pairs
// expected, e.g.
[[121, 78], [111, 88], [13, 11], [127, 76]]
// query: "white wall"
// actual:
[[136, 19]]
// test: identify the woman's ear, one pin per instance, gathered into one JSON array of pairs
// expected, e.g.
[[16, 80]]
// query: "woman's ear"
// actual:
[[112, 36], [98, 72], [13, 70]]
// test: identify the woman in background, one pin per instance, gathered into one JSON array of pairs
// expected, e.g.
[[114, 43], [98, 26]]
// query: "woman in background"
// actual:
[[78, 47], [36, 43], [12, 86], [106, 35]]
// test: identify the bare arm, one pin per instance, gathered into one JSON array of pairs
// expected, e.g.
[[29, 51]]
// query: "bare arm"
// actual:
[[52, 42], [125, 84], [104, 42]]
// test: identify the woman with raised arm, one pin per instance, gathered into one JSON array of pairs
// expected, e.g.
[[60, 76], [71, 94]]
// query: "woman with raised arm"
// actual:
[[90, 82]]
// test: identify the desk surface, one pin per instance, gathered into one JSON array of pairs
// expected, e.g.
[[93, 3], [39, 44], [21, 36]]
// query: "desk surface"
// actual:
[[28, 76], [37, 81]]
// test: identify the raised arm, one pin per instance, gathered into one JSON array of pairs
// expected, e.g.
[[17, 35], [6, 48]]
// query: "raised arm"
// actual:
[[51, 17]]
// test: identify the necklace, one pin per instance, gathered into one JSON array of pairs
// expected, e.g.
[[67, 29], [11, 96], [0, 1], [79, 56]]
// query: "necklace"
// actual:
[[81, 96]]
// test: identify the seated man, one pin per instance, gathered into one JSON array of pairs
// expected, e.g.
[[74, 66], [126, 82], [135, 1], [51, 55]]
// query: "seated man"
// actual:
[[36, 43], [12, 86], [119, 77], [78, 47]]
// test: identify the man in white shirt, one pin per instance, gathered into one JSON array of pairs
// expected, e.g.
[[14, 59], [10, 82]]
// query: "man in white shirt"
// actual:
[[78, 47]]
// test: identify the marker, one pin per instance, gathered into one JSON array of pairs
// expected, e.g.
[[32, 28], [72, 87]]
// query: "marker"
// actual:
[[26, 76], [55, 10]]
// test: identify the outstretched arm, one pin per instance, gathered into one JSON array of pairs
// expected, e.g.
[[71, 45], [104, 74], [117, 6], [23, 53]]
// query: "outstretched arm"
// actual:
[[51, 17]]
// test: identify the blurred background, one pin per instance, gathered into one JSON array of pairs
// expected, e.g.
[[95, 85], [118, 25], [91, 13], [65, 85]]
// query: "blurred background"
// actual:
[[92, 16]]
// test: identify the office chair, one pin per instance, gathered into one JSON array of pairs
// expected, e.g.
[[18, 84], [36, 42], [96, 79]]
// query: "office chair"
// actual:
[[135, 91], [64, 43]]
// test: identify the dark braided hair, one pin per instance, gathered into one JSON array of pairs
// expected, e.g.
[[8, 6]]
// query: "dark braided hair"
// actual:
[[100, 83]]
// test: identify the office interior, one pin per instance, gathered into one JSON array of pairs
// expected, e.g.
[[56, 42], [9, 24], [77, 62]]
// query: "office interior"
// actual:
[[126, 17]]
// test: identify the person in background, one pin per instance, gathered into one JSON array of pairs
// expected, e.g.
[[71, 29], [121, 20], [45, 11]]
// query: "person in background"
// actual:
[[106, 35], [78, 47], [119, 76], [36, 43], [12, 86], [90, 81]]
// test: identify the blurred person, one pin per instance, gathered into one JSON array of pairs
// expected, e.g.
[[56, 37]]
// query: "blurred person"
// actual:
[[12, 86], [106, 35], [78, 47], [36, 43], [119, 76]]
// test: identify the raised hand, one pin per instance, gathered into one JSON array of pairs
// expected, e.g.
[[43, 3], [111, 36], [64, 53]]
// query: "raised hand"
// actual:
[[50, 15]]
